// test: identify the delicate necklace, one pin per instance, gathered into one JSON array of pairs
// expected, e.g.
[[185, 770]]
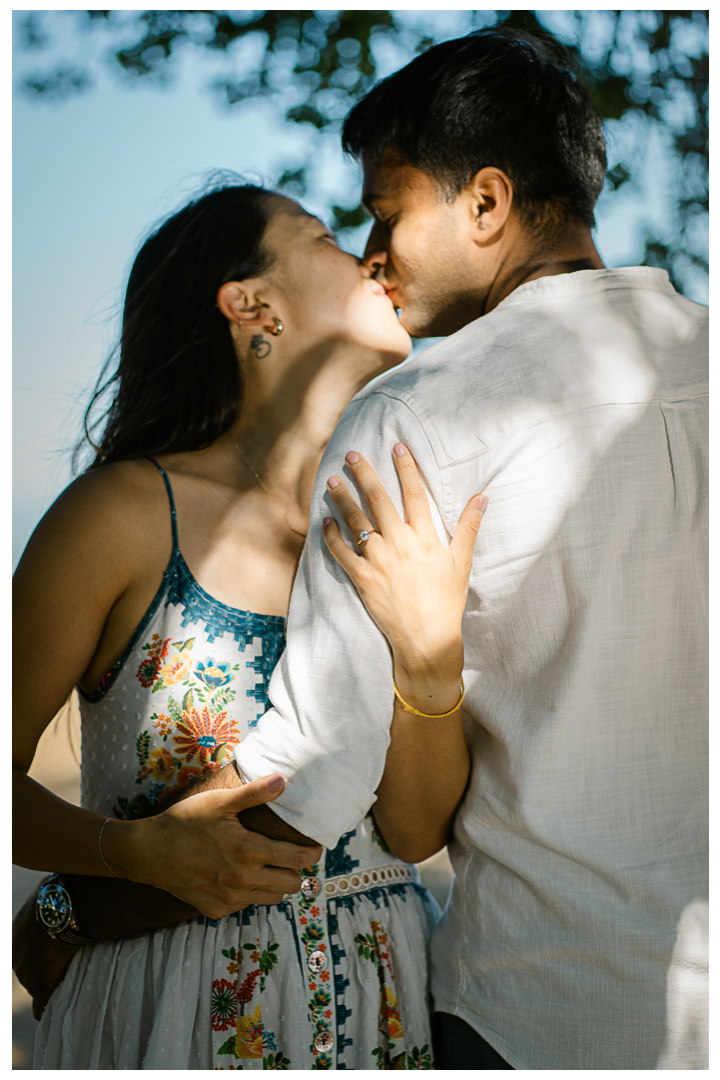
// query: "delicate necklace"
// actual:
[[269, 494]]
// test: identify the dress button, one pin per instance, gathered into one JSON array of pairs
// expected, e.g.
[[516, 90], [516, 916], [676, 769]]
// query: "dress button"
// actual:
[[317, 960], [310, 887], [324, 1042]]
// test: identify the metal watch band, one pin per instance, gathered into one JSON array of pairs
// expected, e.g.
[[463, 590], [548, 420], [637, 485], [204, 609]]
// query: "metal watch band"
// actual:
[[71, 937]]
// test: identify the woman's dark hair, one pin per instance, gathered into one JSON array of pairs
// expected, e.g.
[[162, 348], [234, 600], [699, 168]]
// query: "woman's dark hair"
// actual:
[[177, 383], [496, 97]]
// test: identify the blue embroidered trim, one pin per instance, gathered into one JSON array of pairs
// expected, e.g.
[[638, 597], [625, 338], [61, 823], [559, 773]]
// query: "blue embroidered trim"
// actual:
[[340, 982], [246, 915], [179, 587], [242, 626], [338, 861], [378, 895]]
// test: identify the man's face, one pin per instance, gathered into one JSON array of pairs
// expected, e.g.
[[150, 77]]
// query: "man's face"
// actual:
[[426, 246]]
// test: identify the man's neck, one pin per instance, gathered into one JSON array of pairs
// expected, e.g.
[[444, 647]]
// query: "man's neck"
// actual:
[[526, 262]]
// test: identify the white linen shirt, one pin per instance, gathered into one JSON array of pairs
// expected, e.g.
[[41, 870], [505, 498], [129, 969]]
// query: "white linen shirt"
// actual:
[[579, 406]]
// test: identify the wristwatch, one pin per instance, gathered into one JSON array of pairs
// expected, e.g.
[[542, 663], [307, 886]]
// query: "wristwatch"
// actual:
[[54, 912]]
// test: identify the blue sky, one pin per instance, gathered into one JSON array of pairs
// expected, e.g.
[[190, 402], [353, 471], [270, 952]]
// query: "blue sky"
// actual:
[[92, 175]]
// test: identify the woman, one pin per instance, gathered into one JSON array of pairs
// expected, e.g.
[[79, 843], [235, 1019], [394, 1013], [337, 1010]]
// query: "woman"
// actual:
[[245, 333]]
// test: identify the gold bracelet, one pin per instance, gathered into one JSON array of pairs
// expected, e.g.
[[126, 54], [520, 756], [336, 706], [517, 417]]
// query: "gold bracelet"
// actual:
[[102, 830], [431, 716]]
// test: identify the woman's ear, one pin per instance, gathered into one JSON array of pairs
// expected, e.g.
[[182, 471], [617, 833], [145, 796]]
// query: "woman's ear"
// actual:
[[238, 303], [491, 195]]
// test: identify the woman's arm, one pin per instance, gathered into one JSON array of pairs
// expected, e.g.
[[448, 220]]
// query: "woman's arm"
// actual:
[[80, 565], [415, 589]]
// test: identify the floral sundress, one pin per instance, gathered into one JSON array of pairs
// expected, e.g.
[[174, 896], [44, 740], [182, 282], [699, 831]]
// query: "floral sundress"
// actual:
[[335, 977]]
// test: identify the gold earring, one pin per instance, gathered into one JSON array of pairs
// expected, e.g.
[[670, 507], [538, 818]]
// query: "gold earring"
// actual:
[[279, 327], [239, 325]]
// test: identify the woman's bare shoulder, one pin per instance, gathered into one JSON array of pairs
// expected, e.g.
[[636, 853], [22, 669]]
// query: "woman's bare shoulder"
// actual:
[[108, 512]]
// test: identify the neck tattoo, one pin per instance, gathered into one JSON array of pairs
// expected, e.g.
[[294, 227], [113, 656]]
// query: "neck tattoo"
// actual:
[[260, 346]]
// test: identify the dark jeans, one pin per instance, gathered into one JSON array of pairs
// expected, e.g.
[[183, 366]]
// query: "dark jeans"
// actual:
[[458, 1046]]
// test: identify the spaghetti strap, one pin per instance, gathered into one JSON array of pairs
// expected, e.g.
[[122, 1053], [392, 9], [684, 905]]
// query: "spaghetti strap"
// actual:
[[173, 515]]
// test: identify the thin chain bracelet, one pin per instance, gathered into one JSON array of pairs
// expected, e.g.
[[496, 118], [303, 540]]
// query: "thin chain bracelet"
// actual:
[[102, 830]]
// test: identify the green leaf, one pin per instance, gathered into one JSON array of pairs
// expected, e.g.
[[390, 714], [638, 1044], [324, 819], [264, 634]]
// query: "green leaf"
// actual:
[[348, 217], [306, 114], [187, 702], [228, 1047], [142, 745], [157, 685], [174, 710]]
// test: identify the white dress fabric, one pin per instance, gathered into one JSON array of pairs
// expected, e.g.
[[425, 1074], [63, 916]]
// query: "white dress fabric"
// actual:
[[579, 405], [334, 978]]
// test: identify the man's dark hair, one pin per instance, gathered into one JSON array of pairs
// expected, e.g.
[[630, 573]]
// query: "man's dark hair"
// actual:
[[496, 97]]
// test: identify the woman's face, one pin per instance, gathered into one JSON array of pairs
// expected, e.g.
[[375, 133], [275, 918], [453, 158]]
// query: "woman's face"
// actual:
[[324, 295]]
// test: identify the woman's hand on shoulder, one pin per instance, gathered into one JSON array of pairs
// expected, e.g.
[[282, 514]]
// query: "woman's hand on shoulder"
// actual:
[[414, 588]]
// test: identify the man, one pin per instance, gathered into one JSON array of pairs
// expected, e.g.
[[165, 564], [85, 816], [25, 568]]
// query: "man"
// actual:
[[574, 396]]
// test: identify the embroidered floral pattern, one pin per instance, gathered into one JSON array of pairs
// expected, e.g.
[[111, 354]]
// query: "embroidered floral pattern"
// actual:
[[374, 947], [213, 674], [390, 1022], [148, 671], [162, 765], [224, 1004], [414, 1059], [156, 650], [251, 1040], [312, 922], [249, 1037], [177, 668], [201, 736], [204, 736], [163, 723]]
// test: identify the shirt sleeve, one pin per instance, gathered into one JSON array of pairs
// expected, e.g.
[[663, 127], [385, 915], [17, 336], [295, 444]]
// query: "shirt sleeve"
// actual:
[[328, 730]]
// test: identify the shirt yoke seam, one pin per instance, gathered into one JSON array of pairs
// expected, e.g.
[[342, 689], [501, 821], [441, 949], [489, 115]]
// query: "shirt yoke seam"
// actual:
[[399, 396]]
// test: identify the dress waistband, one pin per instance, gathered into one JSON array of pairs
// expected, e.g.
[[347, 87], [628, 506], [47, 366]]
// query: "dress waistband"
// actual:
[[372, 878]]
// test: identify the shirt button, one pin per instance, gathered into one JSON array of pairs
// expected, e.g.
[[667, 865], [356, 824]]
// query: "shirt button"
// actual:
[[324, 1042], [310, 887], [317, 960]]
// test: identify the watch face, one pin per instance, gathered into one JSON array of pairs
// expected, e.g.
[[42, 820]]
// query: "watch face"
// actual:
[[54, 909]]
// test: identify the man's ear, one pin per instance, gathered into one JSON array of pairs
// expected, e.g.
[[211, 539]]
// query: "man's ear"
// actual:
[[238, 301], [490, 194]]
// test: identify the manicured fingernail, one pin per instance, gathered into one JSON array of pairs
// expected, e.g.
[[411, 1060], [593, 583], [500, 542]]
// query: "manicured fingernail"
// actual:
[[482, 503], [399, 449], [326, 522], [352, 457], [333, 481], [275, 782]]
